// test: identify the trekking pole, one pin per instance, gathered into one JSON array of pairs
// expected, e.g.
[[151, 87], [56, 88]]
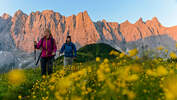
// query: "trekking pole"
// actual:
[[34, 42], [38, 58], [54, 64], [34, 50]]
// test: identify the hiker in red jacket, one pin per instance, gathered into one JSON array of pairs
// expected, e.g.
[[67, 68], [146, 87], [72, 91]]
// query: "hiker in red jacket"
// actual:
[[48, 46]]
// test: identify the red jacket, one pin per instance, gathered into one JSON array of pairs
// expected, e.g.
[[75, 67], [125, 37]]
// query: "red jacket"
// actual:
[[47, 48]]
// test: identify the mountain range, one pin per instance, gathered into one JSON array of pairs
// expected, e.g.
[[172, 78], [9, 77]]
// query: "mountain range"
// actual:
[[25, 28], [19, 31]]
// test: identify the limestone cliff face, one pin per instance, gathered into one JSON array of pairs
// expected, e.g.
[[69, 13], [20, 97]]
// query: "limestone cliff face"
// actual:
[[6, 41], [24, 29]]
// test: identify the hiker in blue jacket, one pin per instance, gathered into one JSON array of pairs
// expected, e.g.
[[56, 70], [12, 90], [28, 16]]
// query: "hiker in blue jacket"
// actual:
[[69, 50]]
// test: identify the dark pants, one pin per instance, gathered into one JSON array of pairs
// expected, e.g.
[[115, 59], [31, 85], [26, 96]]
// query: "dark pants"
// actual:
[[46, 65]]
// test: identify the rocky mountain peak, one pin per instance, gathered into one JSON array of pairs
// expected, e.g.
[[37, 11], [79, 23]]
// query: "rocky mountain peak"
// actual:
[[104, 21], [140, 21], [85, 13], [155, 21], [47, 12], [126, 22], [19, 13], [6, 16]]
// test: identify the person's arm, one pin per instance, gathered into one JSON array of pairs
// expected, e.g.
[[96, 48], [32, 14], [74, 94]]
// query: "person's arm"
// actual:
[[38, 45], [62, 48]]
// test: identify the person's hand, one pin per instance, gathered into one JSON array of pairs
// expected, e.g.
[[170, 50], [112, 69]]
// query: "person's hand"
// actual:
[[53, 53], [35, 43], [74, 58]]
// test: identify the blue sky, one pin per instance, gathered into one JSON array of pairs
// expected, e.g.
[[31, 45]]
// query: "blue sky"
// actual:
[[111, 10]]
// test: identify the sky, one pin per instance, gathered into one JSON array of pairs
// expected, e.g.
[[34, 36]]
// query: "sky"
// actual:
[[110, 10]]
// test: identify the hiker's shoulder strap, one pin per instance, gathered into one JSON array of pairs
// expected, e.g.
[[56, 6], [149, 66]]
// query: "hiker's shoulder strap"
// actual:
[[52, 42], [73, 46], [42, 40], [70, 44]]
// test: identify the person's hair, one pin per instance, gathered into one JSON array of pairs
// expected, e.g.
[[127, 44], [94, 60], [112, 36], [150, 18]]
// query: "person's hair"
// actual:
[[68, 37]]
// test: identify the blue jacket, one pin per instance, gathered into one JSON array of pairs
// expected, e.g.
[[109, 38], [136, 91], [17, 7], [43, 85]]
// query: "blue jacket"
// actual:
[[69, 49]]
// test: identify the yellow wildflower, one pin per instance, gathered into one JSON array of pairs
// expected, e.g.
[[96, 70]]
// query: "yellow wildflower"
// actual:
[[122, 55], [34, 97], [97, 59], [106, 60], [133, 52], [136, 68], [113, 52], [51, 88], [151, 72], [100, 76], [19, 97], [44, 77], [131, 95], [76, 98], [16, 77], [133, 77], [160, 48], [170, 87], [173, 55], [89, 69], [161, 71], [58, 97], [166, 50]]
